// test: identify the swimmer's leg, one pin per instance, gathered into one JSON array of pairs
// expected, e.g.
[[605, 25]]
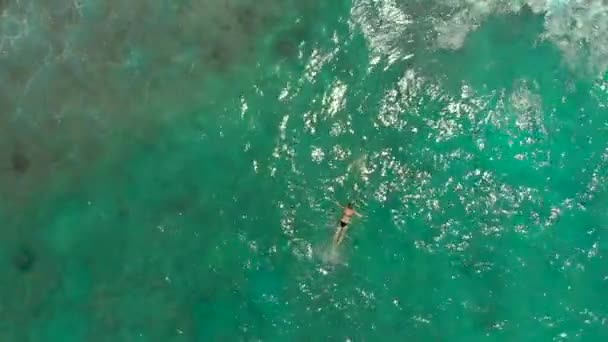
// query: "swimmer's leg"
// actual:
[[342, 235], [337, 235]]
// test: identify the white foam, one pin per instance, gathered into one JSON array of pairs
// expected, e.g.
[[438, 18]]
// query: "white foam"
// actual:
[[384, 25], [452, 33], [579, 28]]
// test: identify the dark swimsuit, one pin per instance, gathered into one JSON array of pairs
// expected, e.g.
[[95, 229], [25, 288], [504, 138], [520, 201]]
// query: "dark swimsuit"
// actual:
[[343, 224]]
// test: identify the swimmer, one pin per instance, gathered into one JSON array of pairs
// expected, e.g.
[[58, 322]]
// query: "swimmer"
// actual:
[[347, 215]]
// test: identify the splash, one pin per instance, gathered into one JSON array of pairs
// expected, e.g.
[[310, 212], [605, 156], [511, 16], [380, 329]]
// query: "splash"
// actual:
[[359, 166], [330, 255]]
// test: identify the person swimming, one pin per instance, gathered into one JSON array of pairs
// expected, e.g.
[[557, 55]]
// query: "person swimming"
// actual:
[[347, 215]]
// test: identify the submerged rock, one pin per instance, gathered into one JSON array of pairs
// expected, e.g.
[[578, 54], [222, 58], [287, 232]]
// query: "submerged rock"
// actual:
[[24, 259], [20, 163]]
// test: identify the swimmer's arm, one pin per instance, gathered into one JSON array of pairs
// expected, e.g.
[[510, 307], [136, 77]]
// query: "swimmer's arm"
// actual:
[[357, 213], [338, 204]]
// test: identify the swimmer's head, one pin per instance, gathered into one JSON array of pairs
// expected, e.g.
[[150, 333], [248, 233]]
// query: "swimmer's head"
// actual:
[[349, 205]]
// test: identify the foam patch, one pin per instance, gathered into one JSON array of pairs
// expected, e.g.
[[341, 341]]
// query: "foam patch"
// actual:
[[578, 28]]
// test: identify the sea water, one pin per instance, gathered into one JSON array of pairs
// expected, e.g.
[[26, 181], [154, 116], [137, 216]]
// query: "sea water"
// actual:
[[170, 170]]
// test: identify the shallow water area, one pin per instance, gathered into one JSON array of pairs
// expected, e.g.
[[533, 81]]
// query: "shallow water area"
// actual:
[[170, 171]]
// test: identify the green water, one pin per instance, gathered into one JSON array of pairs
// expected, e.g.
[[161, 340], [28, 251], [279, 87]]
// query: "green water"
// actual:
[[170, 172]]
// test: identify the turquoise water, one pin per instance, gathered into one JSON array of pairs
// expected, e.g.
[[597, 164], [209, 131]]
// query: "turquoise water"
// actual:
[[170, 170]]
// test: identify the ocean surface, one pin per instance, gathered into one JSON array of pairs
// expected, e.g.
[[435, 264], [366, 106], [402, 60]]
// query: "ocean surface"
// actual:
[[169, 170]]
